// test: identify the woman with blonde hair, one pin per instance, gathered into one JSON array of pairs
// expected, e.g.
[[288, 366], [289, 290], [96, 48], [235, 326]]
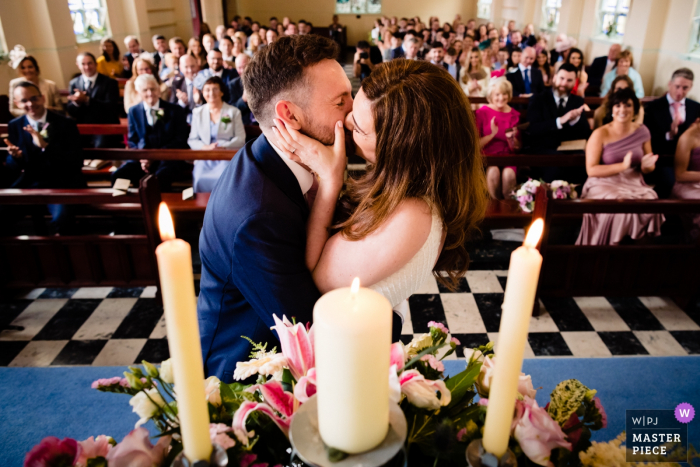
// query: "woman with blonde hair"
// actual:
[[623, 67], [140, 66], [474, 77], [195, 49], [254, 43], [496, 123], [28, 70]]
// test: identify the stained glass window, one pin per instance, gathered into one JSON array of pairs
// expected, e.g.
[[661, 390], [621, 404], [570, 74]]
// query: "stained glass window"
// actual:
[[612, 17], [89, 19]]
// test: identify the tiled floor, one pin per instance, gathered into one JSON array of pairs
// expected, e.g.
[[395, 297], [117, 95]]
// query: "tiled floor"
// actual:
[[113, 326]]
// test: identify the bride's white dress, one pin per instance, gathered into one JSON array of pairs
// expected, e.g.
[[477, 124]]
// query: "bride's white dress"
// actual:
[[407, 280]]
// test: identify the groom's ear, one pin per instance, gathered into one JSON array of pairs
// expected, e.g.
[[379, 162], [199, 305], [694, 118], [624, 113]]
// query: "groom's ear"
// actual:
[[289, 113]]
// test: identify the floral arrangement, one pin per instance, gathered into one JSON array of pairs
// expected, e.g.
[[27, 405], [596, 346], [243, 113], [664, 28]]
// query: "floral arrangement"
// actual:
[[252, 421], [558, 189]]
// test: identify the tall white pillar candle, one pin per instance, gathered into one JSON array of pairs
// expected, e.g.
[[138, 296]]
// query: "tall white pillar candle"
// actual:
[[180, 307], [352, 335], [519, 298]]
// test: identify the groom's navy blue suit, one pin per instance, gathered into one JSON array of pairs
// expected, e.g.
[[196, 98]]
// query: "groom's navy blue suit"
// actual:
[[252, 248]]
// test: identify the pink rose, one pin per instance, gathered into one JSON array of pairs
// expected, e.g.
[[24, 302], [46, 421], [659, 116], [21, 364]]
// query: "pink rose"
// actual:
[[93, 448], [536, 432], [483, 381], [217, 434], [53, 452], [439, 326], [136, 450]]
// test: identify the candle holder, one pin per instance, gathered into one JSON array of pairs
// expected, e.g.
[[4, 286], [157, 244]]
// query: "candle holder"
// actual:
[[478, 457], [308, 446], [218, 458]]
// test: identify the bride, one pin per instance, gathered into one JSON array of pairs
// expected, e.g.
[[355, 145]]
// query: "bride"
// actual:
[[423, 194]]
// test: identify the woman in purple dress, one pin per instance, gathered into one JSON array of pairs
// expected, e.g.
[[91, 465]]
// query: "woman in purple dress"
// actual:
[[617, 154], [499, 136], [687, 164]]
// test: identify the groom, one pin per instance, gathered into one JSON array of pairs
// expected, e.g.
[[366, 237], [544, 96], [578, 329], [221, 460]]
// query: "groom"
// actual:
[[253, 241]]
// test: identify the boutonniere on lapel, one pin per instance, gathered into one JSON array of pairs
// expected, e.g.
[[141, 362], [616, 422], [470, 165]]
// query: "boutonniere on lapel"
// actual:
[[225, 119], [45, 132], [159, 114]]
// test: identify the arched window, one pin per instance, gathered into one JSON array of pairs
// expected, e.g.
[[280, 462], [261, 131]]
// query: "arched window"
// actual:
[[694, 46], [612, 18], [550, 14], [483, 9], [89, 19]]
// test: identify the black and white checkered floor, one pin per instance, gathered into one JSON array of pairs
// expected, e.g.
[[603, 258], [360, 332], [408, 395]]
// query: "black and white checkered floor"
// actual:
[[115, 326]]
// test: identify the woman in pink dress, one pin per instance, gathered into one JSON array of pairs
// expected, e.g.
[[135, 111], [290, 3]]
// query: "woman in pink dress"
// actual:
[[496, 122], [687, 164], [617, 154]]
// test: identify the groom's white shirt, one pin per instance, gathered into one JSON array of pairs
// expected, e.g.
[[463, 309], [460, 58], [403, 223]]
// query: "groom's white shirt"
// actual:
[[303, 176]]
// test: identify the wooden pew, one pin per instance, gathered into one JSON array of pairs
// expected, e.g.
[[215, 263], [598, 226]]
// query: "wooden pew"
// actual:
[[622, 270]]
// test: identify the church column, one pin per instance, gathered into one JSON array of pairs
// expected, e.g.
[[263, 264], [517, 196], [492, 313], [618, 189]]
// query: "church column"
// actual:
[[212, 13]]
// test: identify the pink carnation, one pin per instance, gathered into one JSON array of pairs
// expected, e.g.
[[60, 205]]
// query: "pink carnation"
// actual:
[[433, 362], [439, 326], [455, 341], [93, 448], [105, 382], [217, 434], [52, 451]]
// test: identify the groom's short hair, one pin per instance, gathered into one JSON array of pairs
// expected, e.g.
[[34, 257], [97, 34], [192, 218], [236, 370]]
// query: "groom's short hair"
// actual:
[[277, 71]]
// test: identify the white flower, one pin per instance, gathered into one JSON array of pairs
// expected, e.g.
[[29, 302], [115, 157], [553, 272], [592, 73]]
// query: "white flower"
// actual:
[[473, 354], [146, 404], [419, 343], [266, 365], [421, 392], [166, 371], [211, 389]]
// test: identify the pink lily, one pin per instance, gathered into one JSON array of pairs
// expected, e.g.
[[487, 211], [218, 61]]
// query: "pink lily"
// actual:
[[279, 405], [297, 345], [421, 392], [398, 355], [306, 387]]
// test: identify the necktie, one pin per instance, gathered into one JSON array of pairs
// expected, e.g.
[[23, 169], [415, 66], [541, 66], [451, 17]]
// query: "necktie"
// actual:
[[561, 109], [677, 112], [153, 117], [528, 88], [189, 93], [88, 86]]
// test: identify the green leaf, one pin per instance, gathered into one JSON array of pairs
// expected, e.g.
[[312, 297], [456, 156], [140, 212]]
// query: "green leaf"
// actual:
[[97, 462], [461, 383], [335, 455]]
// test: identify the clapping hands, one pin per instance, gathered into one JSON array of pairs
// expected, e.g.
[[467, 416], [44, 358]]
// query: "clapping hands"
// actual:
[[79, 97], [649, 163], [572, 115], [494, 126], [14, 151], [37, 139]]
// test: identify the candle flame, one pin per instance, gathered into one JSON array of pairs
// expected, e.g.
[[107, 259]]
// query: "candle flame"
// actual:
[[534, 234], [165, 223], [355, 287]]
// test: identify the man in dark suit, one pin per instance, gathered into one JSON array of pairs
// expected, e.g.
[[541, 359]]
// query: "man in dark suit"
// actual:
[[667, 118], [602, 65], [160, 44], [134, 49], [94, 98], [556, 115], [526, 80], [215, 59], [451, 63], [236, 91], [515, 41], [44, 151], [155, 124], [183, 90]]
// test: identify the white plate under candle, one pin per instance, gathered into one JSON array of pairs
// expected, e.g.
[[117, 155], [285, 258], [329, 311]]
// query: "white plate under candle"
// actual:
[[306, 440]]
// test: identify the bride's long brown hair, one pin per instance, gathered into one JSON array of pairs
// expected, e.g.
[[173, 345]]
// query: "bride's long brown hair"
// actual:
[[427, 147]]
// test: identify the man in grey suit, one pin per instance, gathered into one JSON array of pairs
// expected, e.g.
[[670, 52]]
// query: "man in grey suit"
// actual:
[[184, 92]]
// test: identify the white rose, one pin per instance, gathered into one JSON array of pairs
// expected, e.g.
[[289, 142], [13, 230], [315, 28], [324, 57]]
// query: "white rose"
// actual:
[[146, 404], [166, 371], [211, 389]]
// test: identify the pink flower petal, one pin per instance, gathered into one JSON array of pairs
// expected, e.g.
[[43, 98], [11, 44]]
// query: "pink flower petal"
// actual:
[[398, 356], [297, 346], [306, 387], [276, 397], [248, 407]]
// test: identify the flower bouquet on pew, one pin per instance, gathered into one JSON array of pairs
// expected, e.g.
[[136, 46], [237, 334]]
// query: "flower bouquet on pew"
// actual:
[[252, 421], [558, 189]]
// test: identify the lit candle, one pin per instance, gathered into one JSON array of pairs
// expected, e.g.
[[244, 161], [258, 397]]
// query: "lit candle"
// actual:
[[519, 298], [180, 306], [352, 340]]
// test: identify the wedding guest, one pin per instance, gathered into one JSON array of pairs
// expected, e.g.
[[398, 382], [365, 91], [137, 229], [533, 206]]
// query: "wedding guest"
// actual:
[[603, 114], [28, 69], [108, 63], [271, 36], [196, 51], [280, 30], [44, 152], [94, 98], [562, 45], [526, 80], [575, 58], [161, 48], [215, 125], [183, 91], [482, 33], [254, 44], [603, 65], [131, 95], [216, 68], [226, 48], [362, 65], [219, 32], [474, 78], [515, 41], [502, 60], [436, 56], [514, 61], [170, 69], [409, 49], [529, 38], [667, 118], [496, 123], [687, 171], [617, 154], [155, 124], [134, 49], [177, 49], [451, 64], [208, 42], [625, 62], [542, 64], [291, 29], [237, 95]]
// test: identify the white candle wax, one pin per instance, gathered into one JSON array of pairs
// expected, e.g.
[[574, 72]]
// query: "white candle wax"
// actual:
[[519, 298], [180, 307], [352, 335]]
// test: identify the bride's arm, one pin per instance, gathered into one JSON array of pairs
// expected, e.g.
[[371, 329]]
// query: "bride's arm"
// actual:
[[378, 255], [328, 162]]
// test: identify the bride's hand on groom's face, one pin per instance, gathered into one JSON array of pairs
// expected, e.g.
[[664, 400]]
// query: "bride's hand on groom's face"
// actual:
[[328, 162]]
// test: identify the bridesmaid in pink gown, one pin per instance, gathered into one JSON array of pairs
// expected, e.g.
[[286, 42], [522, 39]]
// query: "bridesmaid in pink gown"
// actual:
[[617, 154], [496, 122], [687, 164]]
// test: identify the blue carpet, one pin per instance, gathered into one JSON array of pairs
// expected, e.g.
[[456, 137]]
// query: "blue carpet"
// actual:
[[39, 402]]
